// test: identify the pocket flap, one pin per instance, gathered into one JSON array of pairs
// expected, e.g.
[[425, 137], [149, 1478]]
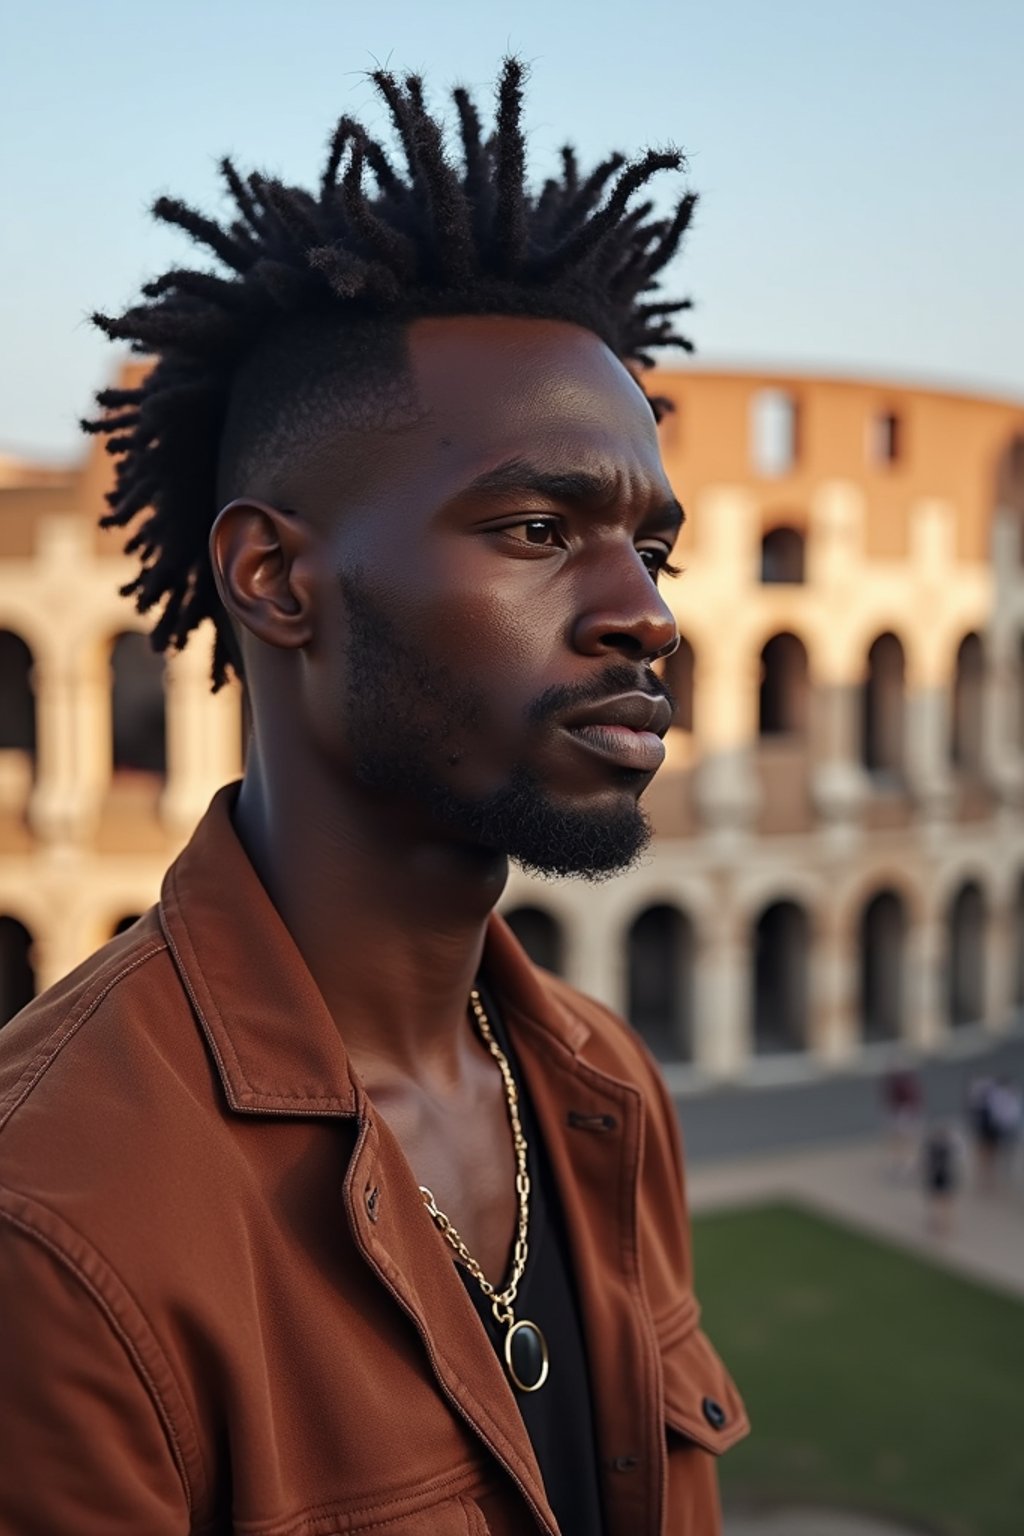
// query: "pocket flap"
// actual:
[[701, 1400]]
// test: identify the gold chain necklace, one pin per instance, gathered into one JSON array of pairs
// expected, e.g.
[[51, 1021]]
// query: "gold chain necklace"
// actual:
[[526, 1350]]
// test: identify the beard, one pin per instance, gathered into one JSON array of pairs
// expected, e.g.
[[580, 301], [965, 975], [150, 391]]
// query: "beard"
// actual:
[[406, 715]]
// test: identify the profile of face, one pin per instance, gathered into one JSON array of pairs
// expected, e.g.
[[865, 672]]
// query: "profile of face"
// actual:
[[482, 599]]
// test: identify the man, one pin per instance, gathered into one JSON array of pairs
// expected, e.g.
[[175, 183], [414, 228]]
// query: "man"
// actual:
[[324, 1210]]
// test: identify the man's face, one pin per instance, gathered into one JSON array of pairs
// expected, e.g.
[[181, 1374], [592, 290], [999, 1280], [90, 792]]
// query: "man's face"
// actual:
[[486, 599]]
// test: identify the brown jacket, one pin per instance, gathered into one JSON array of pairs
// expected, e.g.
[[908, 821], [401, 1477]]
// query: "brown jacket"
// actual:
[[223, 1306]]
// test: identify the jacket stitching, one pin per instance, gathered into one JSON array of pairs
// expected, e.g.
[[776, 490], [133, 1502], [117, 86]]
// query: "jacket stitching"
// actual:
[[62, 1033], [678, 1322], [451, 1487], [127, 1342]]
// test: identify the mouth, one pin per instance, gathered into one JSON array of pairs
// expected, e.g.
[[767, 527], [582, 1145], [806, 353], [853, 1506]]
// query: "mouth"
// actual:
[[625, 730], [642, 751]]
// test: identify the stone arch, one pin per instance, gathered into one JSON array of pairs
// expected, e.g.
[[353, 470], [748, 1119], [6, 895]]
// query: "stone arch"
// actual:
[[661, 946], [967, 923], [781, 972], [966, 745], [784, 687], [882, 968], [540, 934], [138, 715], [783, 556], [884, 707], [17, 970], [885, 875]]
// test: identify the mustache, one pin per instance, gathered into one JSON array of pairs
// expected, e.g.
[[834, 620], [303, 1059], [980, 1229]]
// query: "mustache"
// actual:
[[616, 679]]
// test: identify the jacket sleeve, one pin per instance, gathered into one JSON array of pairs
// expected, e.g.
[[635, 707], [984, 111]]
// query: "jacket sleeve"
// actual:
[[84, 1450]]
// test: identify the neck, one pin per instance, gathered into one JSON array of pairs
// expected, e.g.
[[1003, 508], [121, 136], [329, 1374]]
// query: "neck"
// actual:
[[389, 916]]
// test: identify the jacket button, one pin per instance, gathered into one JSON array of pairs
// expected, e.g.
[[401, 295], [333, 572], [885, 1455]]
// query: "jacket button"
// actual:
[[373, 1201], [714, 1413]]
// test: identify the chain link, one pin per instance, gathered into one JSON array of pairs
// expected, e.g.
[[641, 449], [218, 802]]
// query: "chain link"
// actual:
[[501, 1301]]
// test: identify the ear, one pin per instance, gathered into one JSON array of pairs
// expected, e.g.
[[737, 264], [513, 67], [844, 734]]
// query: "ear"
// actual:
[[263, 566]]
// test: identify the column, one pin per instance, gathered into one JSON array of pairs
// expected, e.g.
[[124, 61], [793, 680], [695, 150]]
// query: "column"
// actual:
[[595, 959], [726, 786], [203, 735], [927, 973], [722, 1026], [834, 1022], [73, 746]]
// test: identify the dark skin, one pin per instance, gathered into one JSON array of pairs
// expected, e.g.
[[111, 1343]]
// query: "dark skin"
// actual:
[[512, 582]]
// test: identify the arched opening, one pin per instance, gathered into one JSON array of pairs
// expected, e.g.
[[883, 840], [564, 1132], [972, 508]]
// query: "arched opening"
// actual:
[[774, 431], [540, 934], [661, 966], [884, 708], [781, 979], [678, 670], [17, 976], [883, 930], [782, 556], [784, 687], [124, 923], [17, 721], [967, 923], [17, 700], [967, 745], [885, 439], [137, 706]]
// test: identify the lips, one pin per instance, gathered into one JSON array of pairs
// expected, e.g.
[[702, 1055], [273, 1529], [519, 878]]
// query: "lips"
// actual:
[[625, 730]]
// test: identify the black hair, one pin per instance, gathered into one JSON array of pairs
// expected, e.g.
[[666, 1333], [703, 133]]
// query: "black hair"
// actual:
[[436, 239]]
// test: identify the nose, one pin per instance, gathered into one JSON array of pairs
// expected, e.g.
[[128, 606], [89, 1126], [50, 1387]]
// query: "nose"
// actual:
[[625, 615]]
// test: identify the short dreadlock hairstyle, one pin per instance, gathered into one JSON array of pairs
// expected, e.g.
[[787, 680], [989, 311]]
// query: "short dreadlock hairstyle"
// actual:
[[355, 264]]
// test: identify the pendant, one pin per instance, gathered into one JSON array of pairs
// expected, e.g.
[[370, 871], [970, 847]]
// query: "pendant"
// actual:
[[526, 1356]]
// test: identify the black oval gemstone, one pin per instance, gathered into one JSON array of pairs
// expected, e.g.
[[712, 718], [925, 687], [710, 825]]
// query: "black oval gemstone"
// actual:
[[526, 1354]]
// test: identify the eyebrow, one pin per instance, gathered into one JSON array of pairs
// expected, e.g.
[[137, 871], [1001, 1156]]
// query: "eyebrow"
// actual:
[[563, 485]]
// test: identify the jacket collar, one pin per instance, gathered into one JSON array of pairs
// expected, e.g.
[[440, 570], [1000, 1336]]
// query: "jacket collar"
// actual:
[[276, 1046]]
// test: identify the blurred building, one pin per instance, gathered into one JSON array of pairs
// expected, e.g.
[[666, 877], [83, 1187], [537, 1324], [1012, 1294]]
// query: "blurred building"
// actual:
[[839, 859]]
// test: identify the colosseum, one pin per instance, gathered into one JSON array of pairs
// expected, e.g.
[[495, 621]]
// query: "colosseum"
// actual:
[[838, 861]]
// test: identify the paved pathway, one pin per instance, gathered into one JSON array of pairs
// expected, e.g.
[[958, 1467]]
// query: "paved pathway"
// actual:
[[785, 1103], [812, 1522], [854, 1181]]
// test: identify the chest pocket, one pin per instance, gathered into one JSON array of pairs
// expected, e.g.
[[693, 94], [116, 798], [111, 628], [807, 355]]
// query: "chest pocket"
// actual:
[[701, 1401], [453, 1517]]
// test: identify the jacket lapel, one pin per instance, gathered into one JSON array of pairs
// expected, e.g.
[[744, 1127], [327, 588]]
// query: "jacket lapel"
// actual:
[[592, 1126]]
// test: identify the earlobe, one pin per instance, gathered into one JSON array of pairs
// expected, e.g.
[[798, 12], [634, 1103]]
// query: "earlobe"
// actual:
[[260, 558]]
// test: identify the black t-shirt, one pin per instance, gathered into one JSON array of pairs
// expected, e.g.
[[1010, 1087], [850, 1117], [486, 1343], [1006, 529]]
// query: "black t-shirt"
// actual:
[[559, 1415]]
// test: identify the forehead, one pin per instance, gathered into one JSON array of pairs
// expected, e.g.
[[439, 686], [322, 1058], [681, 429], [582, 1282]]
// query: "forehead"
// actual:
[[492, 387]]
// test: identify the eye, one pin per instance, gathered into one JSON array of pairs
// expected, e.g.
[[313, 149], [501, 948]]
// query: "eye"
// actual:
[[655, 557], [536, 530]]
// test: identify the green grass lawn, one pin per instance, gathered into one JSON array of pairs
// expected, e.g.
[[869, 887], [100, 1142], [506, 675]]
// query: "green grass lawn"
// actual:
[[874, 1380]]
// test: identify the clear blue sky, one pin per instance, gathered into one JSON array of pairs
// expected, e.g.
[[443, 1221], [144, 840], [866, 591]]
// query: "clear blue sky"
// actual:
[[860, 163]]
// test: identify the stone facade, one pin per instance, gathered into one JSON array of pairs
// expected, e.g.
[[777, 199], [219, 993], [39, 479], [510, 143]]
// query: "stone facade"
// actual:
[[839, 851]]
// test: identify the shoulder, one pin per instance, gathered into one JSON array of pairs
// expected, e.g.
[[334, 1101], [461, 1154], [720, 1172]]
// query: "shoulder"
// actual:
[[101, 1076]]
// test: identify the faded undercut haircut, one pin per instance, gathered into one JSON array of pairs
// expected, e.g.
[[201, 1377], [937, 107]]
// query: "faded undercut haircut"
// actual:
[[308, 277]]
